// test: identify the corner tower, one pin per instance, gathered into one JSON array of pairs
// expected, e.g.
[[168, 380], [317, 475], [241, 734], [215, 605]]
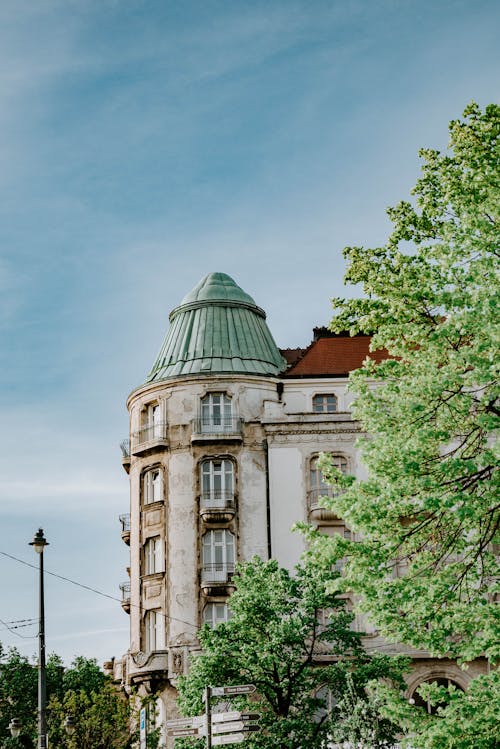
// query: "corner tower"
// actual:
[[197, 461]]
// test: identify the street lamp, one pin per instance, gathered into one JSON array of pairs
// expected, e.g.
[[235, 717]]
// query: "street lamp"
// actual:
[[15, 727], [39, 543], [69, 725]]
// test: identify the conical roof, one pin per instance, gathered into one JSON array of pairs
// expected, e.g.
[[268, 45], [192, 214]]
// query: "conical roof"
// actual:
[[217, 329]]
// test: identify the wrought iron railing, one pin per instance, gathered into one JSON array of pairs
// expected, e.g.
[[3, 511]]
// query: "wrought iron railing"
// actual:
[[125, 521], [217, 572], [125, 448], [217, 500], [149, 433], [316, 496], [227, 425], [125, 589]]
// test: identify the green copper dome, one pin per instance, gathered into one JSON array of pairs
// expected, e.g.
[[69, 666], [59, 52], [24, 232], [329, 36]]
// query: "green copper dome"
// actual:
[[217, 328]]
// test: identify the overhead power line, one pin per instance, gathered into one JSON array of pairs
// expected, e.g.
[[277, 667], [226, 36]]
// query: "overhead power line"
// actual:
[[90, 588]]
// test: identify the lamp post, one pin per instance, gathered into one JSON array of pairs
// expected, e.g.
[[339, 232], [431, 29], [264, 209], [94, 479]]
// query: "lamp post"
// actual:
[[39, 543]]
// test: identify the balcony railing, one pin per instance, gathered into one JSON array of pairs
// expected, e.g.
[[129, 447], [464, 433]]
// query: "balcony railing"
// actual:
[[125, 448], [125, 523], [217, 500], [217, 572], [316, 497], [147, 436], [125, 589], [213, 428]]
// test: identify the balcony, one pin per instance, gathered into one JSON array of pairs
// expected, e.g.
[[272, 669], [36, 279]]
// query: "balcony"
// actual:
[[151, 668], [318, 513], [227, 429], [149, 438], [217, 507], [125, 589], [125, 522], [125, 448], [216, 578]]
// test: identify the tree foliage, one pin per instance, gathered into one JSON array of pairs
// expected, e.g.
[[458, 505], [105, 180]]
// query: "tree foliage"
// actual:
[[428, 513], [101, 715], [291, 638]]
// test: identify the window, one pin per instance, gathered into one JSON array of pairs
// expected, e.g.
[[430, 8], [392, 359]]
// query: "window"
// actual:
[[324, 403], [152, 487], [151, 423], [216, 413], [441, 682], [319, 487], [217, 555], [153, 630], [217, 482], [216, 613], [153, 557], [328, 702]]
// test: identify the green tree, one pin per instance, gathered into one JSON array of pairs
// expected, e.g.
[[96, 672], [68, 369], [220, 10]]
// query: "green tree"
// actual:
[[428, 513], [293, 640], [102, 715]]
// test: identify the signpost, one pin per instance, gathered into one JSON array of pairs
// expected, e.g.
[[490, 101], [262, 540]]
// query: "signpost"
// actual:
[[230, 727]]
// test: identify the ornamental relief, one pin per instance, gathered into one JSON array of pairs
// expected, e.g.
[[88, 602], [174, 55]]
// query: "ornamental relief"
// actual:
[[306, 437]]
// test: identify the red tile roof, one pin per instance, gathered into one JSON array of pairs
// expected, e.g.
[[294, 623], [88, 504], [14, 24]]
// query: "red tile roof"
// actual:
[[334, 355]]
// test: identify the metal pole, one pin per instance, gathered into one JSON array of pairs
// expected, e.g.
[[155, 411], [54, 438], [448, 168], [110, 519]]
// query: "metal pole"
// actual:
[[42, 685], [208, 715], [39, 543]]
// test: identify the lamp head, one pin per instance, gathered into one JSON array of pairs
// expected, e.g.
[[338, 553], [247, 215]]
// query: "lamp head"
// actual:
[[69, 725], [39, 541], [15, 727]]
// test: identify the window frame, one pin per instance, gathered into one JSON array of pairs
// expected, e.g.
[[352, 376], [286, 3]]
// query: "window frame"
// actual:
[[212, 495], [322, 400], [153, 555], [317, 484], [218, 569], [214, 621], [149, 488], [154, 632], [216, 412]]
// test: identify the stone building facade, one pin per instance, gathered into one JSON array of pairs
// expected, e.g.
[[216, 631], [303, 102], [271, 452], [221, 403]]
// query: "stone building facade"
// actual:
[[224, 437]]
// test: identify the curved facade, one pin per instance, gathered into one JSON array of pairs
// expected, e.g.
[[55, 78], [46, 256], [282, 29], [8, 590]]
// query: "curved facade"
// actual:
[[222, 453]]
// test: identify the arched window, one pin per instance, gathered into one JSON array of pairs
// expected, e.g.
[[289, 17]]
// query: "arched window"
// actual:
[[419, 701], [324, 403], [216, 613], [217, 482], [318, 485], [217, 556], [152, 486], [216, 413]]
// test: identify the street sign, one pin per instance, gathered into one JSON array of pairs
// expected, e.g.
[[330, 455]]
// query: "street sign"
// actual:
[[178, 732], [142, 728], [198, 720], [232, 725], [228, 738], [239, 689], [233, 738], [234, 715]]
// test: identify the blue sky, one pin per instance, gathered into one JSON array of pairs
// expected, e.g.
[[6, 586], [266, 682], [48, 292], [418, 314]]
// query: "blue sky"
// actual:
[[143, 145]]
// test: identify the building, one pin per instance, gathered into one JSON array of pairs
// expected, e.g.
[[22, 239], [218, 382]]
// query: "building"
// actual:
[[224, 439]]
